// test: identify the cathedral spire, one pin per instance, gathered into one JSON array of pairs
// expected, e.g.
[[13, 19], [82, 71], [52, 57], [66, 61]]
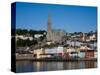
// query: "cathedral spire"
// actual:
[[49, 28], [49, 19]]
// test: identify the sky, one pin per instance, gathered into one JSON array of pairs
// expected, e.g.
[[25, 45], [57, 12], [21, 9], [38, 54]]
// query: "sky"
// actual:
[[69, 18]]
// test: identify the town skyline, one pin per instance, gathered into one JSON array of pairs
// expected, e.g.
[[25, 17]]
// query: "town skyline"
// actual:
[[66, 17], [43, 35]]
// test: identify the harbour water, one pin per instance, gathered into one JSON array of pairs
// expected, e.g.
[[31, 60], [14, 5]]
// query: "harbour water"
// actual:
[[31, 66]]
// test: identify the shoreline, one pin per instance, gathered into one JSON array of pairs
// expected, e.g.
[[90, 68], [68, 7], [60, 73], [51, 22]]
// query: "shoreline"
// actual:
[[62, 60]]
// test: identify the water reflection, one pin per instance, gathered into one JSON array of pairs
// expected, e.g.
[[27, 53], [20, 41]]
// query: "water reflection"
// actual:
[[29, 66]]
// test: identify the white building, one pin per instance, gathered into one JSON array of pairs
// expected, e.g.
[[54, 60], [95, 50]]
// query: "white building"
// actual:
[[54, 50], [38, 35], [93, 37], [24, 37]]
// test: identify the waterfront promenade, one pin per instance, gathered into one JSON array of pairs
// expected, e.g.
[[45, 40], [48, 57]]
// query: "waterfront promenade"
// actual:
[[21, 58]]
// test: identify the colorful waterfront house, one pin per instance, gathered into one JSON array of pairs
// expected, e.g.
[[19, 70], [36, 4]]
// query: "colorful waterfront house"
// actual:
[[61, 54], [54, 52], [89, 53], [66, 53], [60, 49], [65, 49], [67, 56], [95, 54], [37, 52], [70, 49], [51, 50], [73, 54], [82, 54]]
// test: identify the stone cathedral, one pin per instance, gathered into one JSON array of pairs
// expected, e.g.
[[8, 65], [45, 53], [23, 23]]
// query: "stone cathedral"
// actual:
[[54, 35]]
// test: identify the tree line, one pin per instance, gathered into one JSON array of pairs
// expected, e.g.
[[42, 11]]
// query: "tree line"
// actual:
[[30, 32], [21, 42]]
